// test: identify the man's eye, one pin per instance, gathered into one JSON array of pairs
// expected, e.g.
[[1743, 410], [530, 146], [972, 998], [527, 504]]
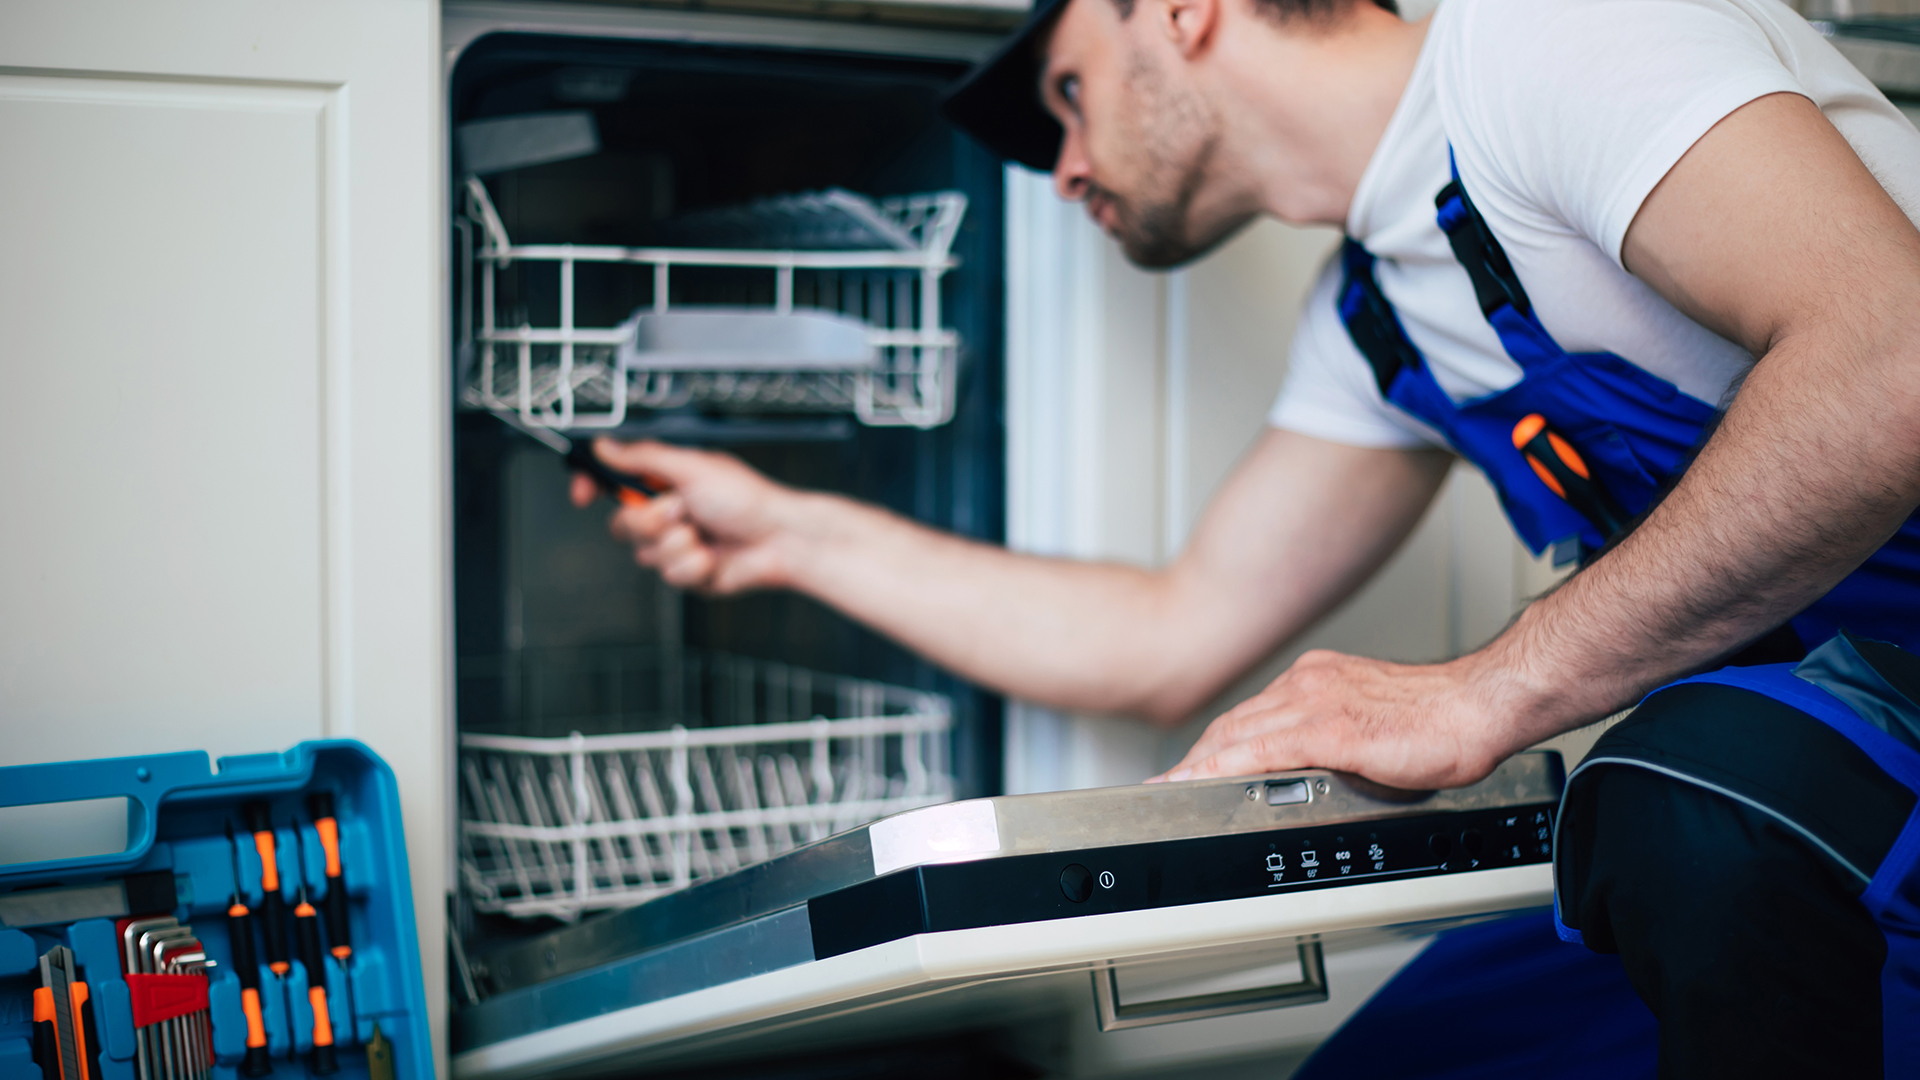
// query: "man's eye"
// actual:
[[1070, 91]]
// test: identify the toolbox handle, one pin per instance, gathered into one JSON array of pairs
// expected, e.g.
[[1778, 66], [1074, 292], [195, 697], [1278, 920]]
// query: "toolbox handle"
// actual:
[[143, 781]]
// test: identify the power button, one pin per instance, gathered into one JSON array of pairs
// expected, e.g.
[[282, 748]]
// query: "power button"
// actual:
[[1076, 882]]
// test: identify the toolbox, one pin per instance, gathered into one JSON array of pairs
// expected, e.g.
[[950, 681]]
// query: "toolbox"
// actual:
[[193, 953]]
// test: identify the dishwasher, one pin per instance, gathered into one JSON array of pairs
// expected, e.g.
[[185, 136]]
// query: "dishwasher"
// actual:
[[699, 831]]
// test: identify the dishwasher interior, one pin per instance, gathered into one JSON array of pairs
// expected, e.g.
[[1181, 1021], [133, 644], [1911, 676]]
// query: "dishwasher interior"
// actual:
[[781, 253]]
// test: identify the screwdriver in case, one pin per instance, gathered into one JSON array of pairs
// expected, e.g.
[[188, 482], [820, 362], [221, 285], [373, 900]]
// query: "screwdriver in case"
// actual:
[[306, 923], [339, 931], [246, 965]]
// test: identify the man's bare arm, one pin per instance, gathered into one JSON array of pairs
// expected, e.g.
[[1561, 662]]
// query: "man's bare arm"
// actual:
[[1300, 524], [1771, 232]]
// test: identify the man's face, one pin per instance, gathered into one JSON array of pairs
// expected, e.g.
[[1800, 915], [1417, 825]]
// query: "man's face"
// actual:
[[1139, 137]]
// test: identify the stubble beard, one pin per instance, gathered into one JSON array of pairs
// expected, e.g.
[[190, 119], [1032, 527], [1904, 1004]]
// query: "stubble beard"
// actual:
[[1174, 144]]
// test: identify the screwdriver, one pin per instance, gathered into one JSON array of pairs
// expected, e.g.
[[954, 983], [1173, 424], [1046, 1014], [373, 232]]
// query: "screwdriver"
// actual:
[[339, 933], [306, 924], [629, 490], [246, 964], [1565, 472], [273, 904]]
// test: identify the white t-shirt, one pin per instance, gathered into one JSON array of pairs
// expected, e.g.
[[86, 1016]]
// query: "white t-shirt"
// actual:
[[1563, 115]]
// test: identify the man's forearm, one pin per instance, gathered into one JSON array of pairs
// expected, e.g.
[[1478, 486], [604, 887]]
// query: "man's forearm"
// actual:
[[1296, 528], [1070, 634]]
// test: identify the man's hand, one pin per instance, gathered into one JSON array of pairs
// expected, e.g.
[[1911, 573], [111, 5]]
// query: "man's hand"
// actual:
[[1407, 726], [716, 525]]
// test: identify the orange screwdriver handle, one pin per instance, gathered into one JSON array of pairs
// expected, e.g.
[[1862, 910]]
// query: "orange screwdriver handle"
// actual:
[[629, 490], [1561, 468], [339, 933], [273, 907]]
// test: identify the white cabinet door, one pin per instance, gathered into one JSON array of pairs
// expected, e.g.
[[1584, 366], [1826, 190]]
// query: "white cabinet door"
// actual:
[[222, 504]]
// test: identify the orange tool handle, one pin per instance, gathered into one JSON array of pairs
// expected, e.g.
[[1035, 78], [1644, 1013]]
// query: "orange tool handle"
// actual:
[[85, 1041], [306, 923], [274, 911], [246, 965], [629, 490], [339, 932], [1561, 468]]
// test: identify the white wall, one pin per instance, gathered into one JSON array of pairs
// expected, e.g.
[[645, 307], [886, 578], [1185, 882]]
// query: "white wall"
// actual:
[[1131, 396]]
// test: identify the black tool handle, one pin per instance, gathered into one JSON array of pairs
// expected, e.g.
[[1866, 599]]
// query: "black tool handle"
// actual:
[[306, 924], [246, 964], [628, 489], [273, 903], [1568, 474]]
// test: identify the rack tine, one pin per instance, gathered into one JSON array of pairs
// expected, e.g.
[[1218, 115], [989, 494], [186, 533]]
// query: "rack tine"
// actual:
[[746, 799], [624, 810], [779, 833], [517, 850], [534, 806], [710, 792], [795, 788]]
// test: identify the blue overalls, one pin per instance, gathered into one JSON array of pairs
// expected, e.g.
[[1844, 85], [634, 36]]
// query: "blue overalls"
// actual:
[[1582, 445]]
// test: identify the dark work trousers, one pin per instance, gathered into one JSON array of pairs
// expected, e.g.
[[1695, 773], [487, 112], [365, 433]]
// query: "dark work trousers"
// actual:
[[1742, 934]]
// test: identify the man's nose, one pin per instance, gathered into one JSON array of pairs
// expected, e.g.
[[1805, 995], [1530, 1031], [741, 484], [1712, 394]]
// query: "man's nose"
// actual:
[[1072, 173]]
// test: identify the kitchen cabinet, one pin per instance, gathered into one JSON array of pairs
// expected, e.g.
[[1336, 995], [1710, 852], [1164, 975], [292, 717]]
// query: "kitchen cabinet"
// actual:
[[222, 226]]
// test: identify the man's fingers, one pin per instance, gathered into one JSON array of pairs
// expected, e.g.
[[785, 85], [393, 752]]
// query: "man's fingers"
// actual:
[[672, 544], [661, 465], [582, 490], [689, 569], [648, 521], [1266, 710], [1271, 752]]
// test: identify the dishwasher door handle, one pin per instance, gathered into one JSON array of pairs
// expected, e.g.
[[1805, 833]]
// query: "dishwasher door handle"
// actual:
[[1115, 1015]]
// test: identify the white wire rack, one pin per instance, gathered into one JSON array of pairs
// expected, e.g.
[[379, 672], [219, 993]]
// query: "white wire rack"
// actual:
[[565, 374], [562, 826]]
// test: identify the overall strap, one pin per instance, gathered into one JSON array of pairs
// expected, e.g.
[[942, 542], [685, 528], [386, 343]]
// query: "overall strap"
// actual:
[[1503, 300], [1474, 245], [1398, 368]]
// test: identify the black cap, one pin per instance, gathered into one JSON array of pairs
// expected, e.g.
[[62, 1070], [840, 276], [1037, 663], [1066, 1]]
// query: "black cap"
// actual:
[[998, 102]]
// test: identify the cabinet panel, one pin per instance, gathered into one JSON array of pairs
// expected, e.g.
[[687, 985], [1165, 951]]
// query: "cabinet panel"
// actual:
[[222, 301], [164, 491]]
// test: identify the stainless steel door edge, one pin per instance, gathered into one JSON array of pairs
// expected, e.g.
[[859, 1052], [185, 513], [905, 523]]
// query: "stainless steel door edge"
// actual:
[[1103, 817], [769, 943]]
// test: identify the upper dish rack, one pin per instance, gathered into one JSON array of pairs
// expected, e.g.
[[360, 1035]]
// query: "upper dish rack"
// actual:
[[822, 302]]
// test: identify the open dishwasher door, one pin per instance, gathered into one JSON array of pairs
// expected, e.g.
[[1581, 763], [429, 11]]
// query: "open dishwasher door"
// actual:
[[944, 918]]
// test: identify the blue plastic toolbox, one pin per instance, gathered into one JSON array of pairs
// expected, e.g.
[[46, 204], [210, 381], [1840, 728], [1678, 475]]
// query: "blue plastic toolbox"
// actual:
[[149, 933]]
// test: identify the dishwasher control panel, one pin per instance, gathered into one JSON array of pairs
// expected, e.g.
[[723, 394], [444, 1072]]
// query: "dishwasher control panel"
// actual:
[[1173, 873]]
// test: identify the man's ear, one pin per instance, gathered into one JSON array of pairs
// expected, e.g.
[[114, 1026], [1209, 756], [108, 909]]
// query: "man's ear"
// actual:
[[1188, 24]]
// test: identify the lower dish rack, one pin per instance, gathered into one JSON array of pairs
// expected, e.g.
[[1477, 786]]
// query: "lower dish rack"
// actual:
[[562, 826]]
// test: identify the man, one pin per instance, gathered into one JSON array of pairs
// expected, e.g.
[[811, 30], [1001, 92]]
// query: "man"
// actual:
[[1669, 303]]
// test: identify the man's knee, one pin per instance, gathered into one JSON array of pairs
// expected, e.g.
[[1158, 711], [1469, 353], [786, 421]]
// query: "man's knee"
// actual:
[[1743, 935]]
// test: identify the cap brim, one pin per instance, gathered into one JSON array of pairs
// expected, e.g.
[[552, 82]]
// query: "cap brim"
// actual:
[[998, 103]]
